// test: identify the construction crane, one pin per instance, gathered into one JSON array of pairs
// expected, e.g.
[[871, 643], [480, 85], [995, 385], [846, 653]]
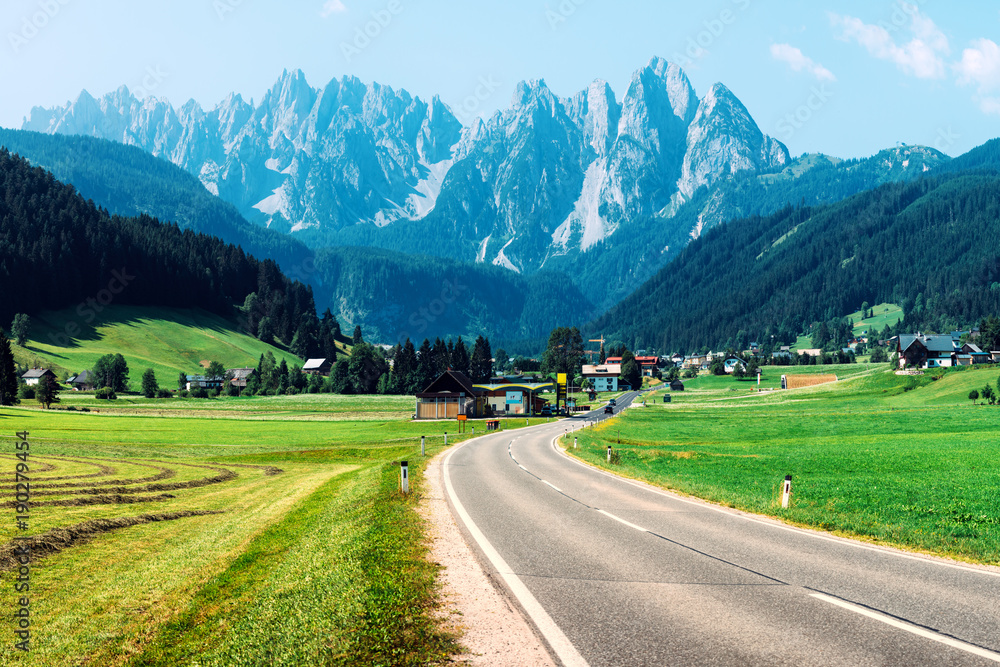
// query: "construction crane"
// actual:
[[596, 340]]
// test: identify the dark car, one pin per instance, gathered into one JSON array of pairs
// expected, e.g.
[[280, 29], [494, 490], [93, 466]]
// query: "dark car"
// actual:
[[546, 412], [612, 402], [608, 410]]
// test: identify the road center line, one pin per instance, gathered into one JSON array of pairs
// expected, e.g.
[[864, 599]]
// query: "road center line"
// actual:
[[914, 629], [552, 485], [620, 520]]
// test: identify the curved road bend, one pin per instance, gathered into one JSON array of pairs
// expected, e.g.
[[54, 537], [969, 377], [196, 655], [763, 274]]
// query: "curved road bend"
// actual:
[[613, 572]]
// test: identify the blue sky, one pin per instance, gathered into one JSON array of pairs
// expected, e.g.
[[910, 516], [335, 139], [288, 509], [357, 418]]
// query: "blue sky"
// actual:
[[845, 78]]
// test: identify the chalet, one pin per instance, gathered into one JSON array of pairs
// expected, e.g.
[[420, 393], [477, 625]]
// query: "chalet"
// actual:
[[754, 348], [317, 367], [676, 385], [508, 398], [696, 361], [678, 360], [604, 376], [81, 382], [240, 376], [732, 362], [203, 382], [927, 351], [613, 361], [450, 395], [648, 365], [34, 376], [784, 352]]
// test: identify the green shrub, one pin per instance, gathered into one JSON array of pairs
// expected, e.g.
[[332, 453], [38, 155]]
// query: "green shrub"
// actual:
[[105, 394]]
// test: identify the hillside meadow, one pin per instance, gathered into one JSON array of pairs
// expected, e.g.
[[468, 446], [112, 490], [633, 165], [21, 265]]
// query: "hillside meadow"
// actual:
[[168, 340], [907, 461], [225, 532]]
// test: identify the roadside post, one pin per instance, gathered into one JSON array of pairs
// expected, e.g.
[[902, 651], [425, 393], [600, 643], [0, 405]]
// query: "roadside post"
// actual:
[[787, 491], [609, 453], [404, 477], [574, 443], [422, 450], [446, 438]]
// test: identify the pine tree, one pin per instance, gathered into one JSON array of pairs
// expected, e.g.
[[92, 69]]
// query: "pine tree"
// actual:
[[460, 357], [357, 339], [8, 373], [481, 363], [149, 384]]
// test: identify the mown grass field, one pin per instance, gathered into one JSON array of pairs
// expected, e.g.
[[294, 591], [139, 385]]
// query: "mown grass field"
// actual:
[[167, 340], [261, 534], [906, 461]]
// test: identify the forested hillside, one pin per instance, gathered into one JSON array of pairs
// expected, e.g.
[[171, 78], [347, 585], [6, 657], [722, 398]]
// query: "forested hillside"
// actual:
[[128, 181], [443, 297], [932, 245], [58, 250]]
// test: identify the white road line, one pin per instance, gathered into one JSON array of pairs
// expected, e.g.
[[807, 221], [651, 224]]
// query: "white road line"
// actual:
[[791, 529], [921, 632], [522, 467], [552, 485], [555, 637], [620, 520]]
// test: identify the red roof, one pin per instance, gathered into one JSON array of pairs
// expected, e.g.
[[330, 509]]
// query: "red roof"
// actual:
[[613, 360], [647, 361]]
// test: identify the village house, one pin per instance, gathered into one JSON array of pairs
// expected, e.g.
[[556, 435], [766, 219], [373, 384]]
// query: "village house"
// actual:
[[603, 376], [784, 352], [450, 395], [317, 367], [928, 351], [731, 363], [240, 376], [33, 377], [81, 382], [648, 365], [203, 382]]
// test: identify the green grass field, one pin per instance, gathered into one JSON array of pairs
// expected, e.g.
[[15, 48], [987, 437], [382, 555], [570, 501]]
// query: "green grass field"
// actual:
[[300, 550], [907, 461], [167, 340], [884, 314]]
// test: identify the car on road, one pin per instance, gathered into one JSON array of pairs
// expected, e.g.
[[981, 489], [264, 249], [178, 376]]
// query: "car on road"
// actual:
[[545, 412], [608, 410], [612, 402]]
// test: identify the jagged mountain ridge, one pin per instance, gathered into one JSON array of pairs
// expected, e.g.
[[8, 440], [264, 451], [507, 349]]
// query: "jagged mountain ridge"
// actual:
[[546, 178]]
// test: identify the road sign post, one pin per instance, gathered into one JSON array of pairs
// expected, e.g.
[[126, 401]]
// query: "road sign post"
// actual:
[[404, 477], [787, 491]]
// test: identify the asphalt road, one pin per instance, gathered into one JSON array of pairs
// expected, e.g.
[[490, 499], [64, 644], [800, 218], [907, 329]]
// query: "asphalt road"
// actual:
[[612, 572]]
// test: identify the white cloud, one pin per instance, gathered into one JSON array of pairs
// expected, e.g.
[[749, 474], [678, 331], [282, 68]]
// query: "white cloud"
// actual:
[[798, 61], [332, 7], [980, 66], [921, 57]]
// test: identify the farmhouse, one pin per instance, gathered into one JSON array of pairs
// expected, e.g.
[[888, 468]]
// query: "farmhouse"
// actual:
[[317, 367], [977, 356], [194, 381], [604, 376], [240, 376], [731, 363], [81, 382], [450, 395], [784, 352], [507, 398], [33, 376], [927, 351], [648, 365]]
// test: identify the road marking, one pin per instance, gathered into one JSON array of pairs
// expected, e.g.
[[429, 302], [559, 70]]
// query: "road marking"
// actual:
[[555, 637], [552, 485], [915, 629], [620, 520], [522, 467], [772, 523]]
